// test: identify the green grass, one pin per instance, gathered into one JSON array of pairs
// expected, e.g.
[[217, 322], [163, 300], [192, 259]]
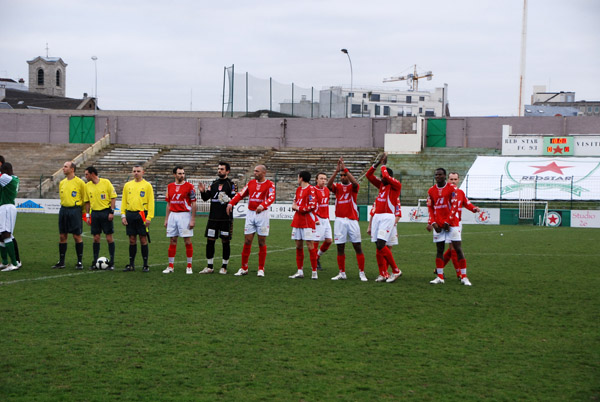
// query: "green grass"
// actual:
[[527, 329]]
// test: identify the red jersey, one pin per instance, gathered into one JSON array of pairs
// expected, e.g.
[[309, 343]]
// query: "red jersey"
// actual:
[[322, 202], [442, 204], [345, 201], [462, 200], [259, 194], [386, 200], [306, 200], [397, 214], [180, 196]]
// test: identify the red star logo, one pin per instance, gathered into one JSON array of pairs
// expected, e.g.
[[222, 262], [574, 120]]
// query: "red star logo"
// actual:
[[552, 167], [557, 150], [553, 219]]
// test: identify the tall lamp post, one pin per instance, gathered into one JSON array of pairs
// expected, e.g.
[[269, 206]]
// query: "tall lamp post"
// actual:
[[95, 83], [351, 79]]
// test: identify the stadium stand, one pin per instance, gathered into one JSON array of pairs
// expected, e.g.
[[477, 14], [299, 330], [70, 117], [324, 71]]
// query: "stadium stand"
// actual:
[[40, 161], [415, 171], [284, 165], [200, 163], [34, 162], [116, 162]]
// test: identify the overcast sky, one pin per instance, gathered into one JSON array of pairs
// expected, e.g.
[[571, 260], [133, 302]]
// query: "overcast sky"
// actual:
[[166, 55]]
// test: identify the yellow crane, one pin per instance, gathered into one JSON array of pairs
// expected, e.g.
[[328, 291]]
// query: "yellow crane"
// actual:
[[413, 79]]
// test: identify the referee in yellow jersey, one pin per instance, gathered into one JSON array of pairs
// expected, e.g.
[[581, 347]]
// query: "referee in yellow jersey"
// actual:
[[101, 199], [137, 210], [72, 196]]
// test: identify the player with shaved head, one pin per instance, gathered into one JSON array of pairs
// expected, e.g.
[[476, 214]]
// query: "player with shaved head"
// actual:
[[261, 194]]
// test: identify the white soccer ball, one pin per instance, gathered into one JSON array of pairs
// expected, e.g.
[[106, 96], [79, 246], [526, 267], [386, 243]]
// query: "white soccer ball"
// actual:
[[102, 263]]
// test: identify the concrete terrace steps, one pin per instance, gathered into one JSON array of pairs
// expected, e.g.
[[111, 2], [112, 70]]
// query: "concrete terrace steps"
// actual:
[[34, 160], [285, 164], [416, 171], [202, 162]]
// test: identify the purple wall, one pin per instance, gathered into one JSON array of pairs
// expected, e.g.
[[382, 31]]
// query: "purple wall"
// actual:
[[191, 129], [486, 132], [196, 128]]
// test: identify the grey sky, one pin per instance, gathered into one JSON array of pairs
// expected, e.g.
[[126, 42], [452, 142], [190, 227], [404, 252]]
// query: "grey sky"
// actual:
[[153, 54]]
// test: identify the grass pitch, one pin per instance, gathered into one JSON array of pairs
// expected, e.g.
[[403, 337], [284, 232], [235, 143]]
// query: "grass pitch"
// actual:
[[527, 329]]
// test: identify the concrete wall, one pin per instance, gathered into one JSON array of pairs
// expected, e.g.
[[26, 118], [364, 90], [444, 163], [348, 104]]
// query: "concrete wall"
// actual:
[[486, 132], [194, 128], [203, 128]]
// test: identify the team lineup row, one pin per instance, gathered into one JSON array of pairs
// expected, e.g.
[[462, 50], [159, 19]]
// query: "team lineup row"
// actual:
[[96, 200]]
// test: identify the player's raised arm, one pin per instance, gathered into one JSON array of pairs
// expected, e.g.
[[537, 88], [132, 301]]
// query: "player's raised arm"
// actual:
[[333, 175]]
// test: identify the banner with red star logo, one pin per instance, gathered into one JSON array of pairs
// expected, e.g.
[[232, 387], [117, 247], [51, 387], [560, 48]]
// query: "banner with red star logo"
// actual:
[[548, 178]]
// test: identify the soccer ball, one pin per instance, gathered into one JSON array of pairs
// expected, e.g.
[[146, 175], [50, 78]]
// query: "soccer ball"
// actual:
[[102, 263]]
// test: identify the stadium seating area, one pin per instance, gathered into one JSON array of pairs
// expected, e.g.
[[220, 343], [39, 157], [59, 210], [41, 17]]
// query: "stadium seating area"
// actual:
[[415, 171], [116, 162], [201, 163], [34, 162]]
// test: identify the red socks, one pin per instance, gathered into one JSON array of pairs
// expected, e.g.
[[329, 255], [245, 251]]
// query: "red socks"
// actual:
[[325, 247], [246, 255], [300, 258], [463, 267], [360, 259], [172, 250], [341, 260], [262, 256], [189, 250], [389, 258], [381, 263], [313, 258], [439, 265]]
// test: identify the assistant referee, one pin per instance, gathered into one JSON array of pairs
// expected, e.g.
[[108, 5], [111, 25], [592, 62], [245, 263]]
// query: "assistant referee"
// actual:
[[137, 210], [72, 196]]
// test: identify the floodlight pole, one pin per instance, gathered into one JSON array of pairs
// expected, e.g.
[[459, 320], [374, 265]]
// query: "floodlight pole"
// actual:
[[95, 83], [351, 79]]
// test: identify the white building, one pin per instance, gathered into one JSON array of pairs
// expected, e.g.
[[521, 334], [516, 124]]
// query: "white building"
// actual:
[[337, 102]]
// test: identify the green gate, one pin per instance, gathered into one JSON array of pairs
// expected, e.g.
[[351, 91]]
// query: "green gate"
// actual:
[[436, 133], [82, 130]]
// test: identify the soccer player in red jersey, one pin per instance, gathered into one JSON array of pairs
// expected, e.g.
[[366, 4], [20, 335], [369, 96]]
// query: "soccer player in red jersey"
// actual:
[[384, 219], [180, 218], [450, 254], [442, 203], [304, 223], [261, 194], [324, 226], [398, 214], [345, 227]]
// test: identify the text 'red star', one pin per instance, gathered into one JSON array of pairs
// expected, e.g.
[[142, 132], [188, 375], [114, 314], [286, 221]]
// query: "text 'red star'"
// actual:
[[552, 167]]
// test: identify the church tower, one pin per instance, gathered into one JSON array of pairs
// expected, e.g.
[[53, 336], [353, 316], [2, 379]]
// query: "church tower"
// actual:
[[48, 75]]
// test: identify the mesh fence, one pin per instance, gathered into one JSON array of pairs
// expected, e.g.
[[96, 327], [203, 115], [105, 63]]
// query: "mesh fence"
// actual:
[[246, 93]]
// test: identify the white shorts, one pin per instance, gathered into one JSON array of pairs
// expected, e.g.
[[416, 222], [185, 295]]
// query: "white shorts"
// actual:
[[393, 241], [448, 241], [8, 218], [257, 223], [453, 235], [346, 230], [178, 225], [382, 227], [323, 229], [304, 234]]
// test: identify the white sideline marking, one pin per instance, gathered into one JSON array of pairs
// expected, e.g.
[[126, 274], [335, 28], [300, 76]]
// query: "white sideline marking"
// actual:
[[43, 278]]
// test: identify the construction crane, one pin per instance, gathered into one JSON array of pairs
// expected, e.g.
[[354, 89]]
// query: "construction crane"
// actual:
[[413, 79]]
